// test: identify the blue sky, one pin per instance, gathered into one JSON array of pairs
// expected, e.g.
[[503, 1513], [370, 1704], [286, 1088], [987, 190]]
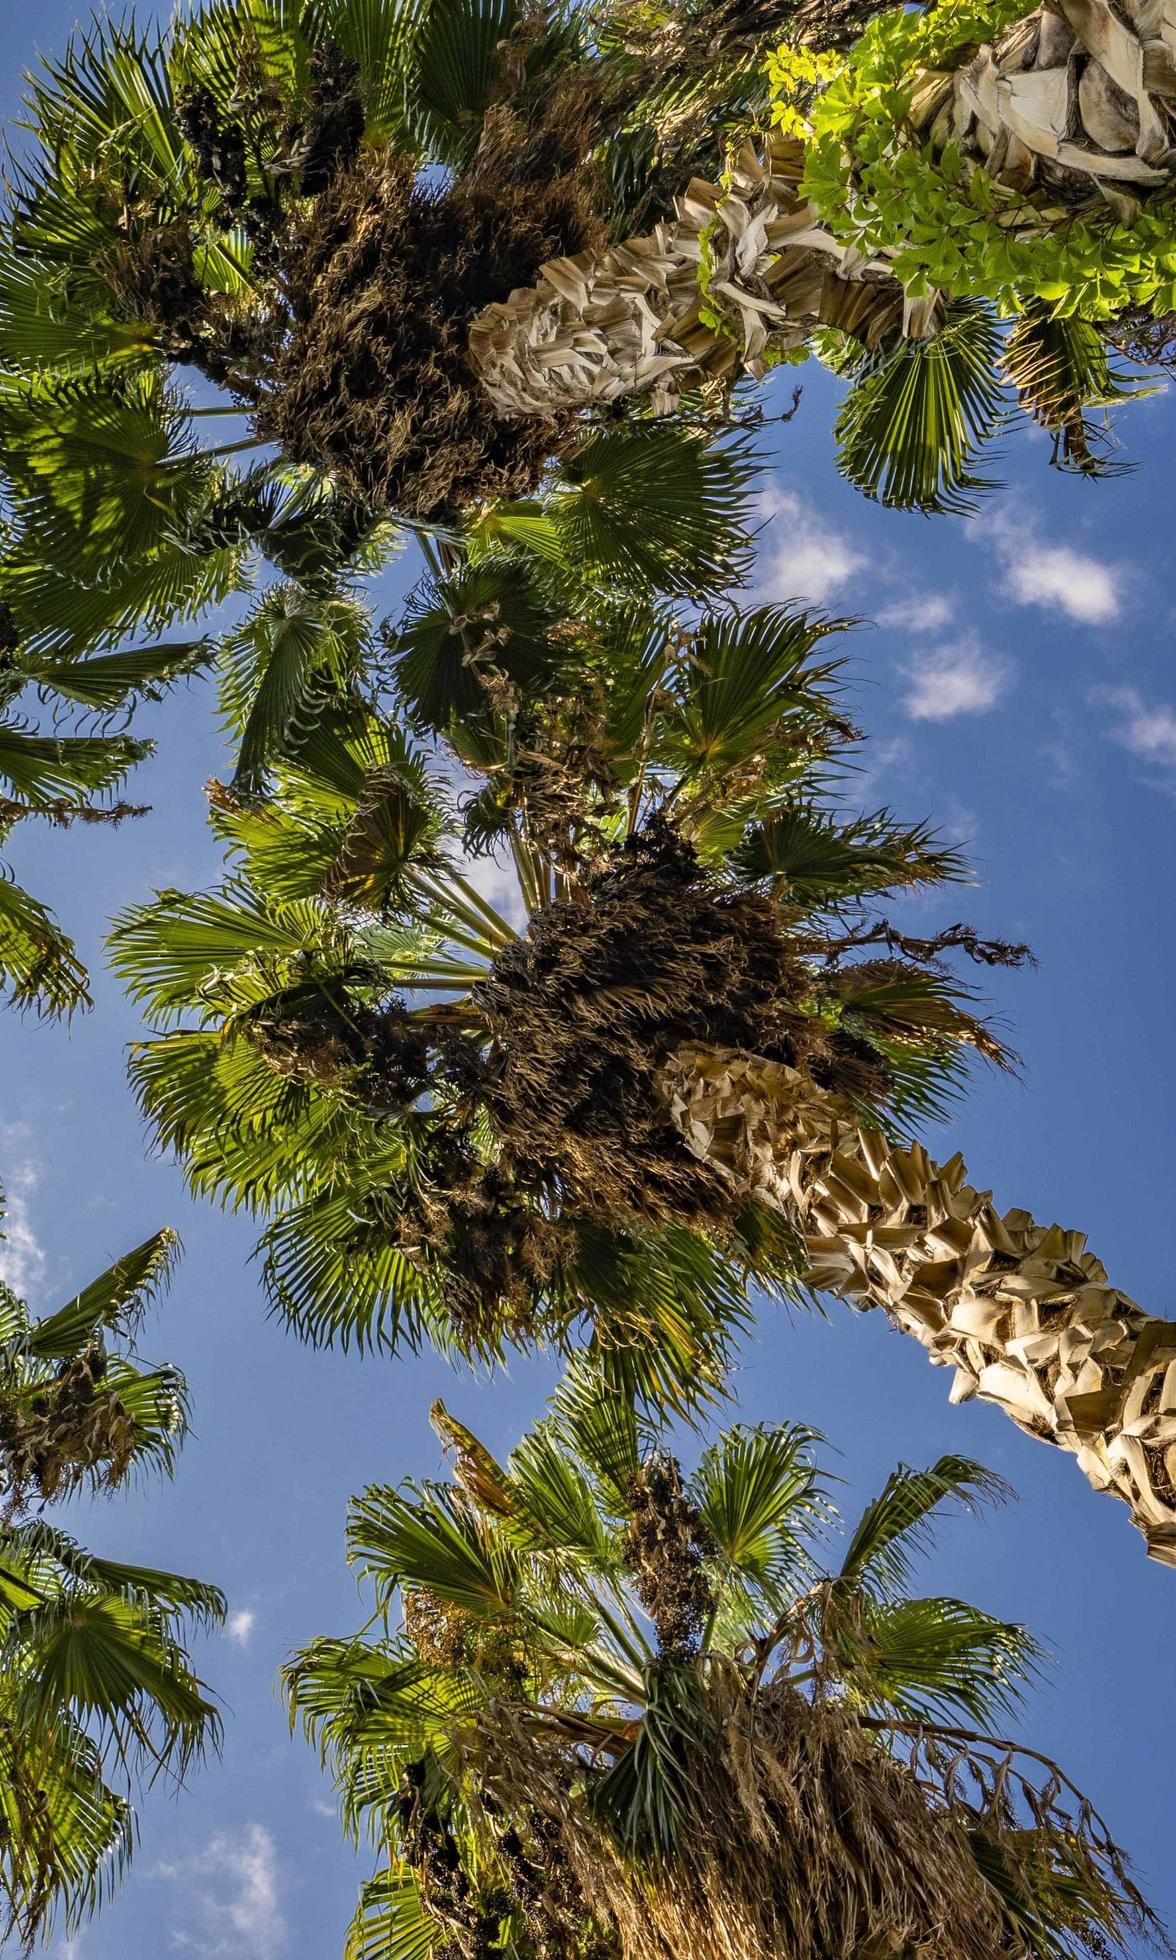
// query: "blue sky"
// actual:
[[1019, 687]]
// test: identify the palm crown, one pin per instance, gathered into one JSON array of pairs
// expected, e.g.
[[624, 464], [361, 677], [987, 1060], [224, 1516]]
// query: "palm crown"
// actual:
[[301, 208], [452, 1120], [631, 1711], [95, 1681]]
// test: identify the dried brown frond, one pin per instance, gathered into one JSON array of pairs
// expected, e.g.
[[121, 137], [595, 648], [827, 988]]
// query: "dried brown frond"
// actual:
[[383, 275], [55, 1435], [805, 1836]]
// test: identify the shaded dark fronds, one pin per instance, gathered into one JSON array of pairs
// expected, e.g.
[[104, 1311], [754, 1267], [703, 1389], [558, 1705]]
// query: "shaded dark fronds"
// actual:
[[1059, 367], [383, 276]]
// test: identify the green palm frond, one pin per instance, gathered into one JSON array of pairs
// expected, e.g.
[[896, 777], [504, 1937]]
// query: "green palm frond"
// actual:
[[655, 506], [917, 416], [426, 1537], [279, 669], [760, 1496], [390, 1921], [1060, 367], [930, 1659], [39, 964], [896, 1525], [96, 1686], [111, 680], [815, 860], [114, 1302], [454, 71]]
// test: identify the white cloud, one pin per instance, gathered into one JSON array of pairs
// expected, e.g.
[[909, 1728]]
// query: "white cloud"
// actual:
[[1053, 576], [498, 884], [803, 558], [239, 1626], [228, 1895], [22, 1256], [1147, 729], [926, 612], [959, 679]]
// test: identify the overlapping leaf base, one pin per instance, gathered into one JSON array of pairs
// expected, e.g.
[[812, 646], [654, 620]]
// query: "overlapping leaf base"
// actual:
[[630, 320], [1024, 1313]]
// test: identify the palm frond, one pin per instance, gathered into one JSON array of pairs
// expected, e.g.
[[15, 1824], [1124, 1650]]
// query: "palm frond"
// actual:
[[896, 1524], [911, 429]]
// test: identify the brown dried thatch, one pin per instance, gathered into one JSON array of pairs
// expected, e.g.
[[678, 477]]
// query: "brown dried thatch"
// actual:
[[803, 1837], [648, 953], [383, 275], [801, 1840]]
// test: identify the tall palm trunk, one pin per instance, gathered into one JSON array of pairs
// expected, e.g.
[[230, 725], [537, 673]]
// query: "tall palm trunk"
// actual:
[[1074, 106], [1023, 1312]]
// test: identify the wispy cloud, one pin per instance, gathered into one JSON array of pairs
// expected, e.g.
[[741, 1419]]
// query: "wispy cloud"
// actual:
[[922, 612], [228, 1903], [1147, 728], [1055, 577], [22, 1256], [961, 678], [802, 557], [239, 1626]]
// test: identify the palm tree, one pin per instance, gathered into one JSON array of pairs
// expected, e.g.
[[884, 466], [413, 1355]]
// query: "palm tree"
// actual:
[[95, 1682], [684, 1059], [626, 1711]]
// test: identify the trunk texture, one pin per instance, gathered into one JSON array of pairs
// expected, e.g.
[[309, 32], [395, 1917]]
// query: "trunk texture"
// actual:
[[1023, 1312], [630, 320], [1074, 107]]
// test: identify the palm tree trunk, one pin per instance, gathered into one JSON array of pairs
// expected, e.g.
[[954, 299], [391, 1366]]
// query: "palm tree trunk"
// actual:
[[635, 318], [1073, 108], [1023, 1312]]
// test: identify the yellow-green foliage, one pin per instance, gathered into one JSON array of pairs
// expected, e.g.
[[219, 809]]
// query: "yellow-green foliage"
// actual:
[[948, 224]]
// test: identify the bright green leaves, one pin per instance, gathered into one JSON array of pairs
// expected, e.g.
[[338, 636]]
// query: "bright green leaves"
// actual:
[[760, 1497], [430, 1539], [943, 223]]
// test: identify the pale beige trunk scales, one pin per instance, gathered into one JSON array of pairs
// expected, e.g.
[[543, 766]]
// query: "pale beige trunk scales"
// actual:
[[1023, 1312], [1072, 110]]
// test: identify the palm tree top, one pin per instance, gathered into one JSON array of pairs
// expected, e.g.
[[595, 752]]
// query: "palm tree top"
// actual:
[[452, 1111], [615, 1706]]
